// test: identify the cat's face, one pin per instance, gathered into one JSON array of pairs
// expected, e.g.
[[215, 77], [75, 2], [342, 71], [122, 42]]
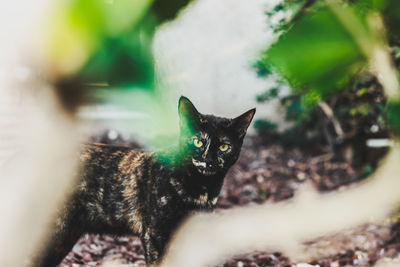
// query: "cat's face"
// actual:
[[210, 144]]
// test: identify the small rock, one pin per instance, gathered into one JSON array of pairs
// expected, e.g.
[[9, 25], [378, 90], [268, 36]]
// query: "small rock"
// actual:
[[360, 258], [291, 163], [301, 176]]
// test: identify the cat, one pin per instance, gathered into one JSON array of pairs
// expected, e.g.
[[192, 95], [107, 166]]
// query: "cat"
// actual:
[[128, 191]]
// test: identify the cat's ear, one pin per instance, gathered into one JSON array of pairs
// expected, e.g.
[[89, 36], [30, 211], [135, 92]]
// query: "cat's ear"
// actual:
[[188, 114], [242, 122]]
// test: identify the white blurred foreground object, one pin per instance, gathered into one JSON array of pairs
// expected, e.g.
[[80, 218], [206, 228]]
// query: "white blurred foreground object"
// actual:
[[388, 263], [35, 177], [380, 142], [37, 144]]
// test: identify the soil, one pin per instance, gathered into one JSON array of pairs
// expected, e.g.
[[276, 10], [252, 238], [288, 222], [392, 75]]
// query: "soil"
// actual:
[[269, 173]]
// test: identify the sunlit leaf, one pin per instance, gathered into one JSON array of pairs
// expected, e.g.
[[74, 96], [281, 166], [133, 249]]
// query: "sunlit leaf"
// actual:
[[76, 29], [122, 15]]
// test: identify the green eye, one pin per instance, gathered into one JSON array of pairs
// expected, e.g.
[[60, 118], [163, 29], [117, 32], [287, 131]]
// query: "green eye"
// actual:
[[224, 147], [197, 142]]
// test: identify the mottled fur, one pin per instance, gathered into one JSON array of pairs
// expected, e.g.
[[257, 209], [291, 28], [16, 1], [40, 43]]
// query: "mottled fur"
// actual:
[[128, 191]]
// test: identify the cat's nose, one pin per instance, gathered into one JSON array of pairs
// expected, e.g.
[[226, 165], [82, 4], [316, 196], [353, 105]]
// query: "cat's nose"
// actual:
[[209, 164]]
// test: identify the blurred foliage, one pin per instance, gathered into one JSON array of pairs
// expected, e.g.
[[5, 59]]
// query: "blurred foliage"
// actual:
[[323, 53], [317, 55], [393, 111], [103, 42], [268, 95], [391, 15], [359, 109]]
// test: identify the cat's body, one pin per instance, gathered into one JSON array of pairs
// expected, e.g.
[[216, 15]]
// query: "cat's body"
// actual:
[[128, 191]]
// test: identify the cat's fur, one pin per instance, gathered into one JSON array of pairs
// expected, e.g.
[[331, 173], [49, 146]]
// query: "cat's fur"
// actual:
[[128, 191]]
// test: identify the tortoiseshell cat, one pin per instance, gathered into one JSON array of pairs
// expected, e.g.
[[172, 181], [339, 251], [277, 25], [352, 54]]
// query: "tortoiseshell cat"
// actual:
[[128, 191]]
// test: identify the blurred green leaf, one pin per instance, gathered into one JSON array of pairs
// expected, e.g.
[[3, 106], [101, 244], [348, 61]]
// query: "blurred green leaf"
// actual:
[[76, 29], [391, 15], [295, 110], [262, 69], [107, 44], [123, 15], [106, 40], [123, 60], [393, 116], [316, 53], [363, 7], [270, 94], [310, 99], [265, 125], [361, 91]]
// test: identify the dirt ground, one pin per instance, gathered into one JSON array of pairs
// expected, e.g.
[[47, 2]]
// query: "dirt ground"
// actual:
[[274, 174]]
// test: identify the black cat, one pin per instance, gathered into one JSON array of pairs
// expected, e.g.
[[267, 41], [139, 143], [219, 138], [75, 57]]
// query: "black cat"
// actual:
[[128, 191]]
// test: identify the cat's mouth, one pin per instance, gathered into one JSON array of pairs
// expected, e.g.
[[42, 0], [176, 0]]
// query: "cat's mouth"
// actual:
[[205, 172], [201, 167]]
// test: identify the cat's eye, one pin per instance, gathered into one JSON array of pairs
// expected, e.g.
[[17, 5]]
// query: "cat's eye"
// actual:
[[197, 142], [224, 147]]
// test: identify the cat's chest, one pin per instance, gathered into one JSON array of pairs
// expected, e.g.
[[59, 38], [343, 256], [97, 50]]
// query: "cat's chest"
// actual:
[[173, 197], [169, 210]]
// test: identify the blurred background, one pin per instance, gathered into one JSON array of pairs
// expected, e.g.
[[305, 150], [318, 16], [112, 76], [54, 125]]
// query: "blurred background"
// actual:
[[322, 74], [208, 58]]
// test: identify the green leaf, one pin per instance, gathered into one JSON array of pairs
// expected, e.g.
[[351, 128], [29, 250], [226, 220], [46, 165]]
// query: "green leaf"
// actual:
[[270, 94], [76, 29], [317, 53], [310, 99], [265, 125], [391, 15], [393, 116]]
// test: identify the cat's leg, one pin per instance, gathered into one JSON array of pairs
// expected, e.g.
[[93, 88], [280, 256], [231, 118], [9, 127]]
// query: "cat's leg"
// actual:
[[154, 244]]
